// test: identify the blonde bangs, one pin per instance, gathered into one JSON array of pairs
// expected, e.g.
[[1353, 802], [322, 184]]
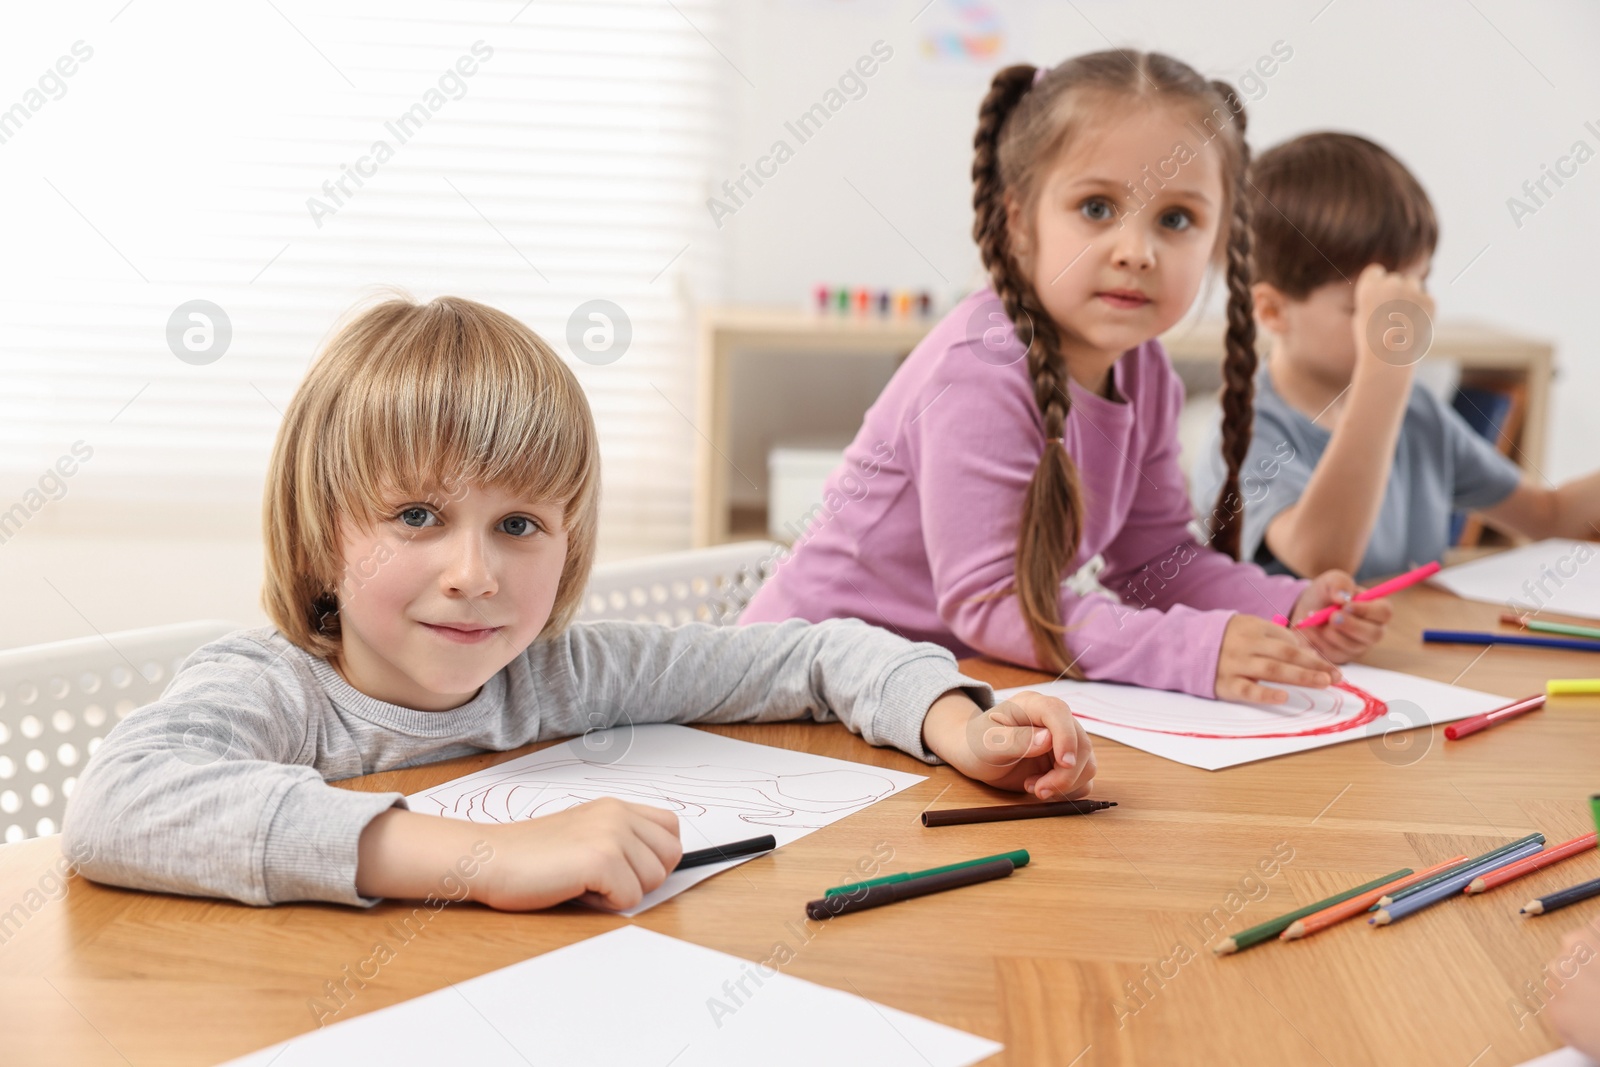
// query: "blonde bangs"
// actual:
[[415, 402]]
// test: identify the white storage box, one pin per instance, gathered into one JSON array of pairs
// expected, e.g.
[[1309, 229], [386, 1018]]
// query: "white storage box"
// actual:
[[796, 474]]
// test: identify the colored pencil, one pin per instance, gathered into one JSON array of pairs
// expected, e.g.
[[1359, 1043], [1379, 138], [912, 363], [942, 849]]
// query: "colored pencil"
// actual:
[[1273, 927], [1327, 917], [1493, 853], [1478, 637], [879, 895], [1540, 627], [1006, 812], [1457, 730], [1377, 592], [732, 851], [1559, 900], [1019, 858], [1409, 904], [1572, 686], [1537, 861]]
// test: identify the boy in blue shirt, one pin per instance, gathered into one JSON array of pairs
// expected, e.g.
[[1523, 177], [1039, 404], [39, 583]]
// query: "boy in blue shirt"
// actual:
[[1351, 467]]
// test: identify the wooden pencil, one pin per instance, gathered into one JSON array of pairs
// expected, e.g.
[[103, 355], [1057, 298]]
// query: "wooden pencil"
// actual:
[[1556, 901], [1356, 905], [1273, 927], [1535, 862], [1427, 883]]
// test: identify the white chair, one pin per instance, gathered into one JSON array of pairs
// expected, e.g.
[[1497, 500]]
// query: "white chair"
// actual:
[[702, 585], [58, 700]]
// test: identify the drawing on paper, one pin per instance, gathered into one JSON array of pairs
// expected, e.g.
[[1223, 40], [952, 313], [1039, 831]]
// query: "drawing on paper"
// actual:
[[810, 800], [1307, 713]]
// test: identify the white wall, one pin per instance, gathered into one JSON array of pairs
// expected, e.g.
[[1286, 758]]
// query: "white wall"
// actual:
[[1472, 103]]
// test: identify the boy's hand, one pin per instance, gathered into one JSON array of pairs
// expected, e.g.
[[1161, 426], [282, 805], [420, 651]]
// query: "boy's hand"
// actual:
[[1030, 743], [1354, 628], [1390, 340], [607, 852], [1575, 1009], [1255, 651]]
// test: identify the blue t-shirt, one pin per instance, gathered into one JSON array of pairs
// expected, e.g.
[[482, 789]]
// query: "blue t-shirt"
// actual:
[[1440, 463]]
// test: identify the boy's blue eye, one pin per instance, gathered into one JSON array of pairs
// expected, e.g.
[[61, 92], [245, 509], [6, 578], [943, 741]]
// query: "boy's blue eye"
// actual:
[[519, 525], [1097, 210], [416, 517]]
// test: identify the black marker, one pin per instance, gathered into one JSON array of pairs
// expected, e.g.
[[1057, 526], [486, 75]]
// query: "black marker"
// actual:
[[717, 853]]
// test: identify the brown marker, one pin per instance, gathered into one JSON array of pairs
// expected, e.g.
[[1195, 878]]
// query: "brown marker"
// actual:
[[1006, 812]]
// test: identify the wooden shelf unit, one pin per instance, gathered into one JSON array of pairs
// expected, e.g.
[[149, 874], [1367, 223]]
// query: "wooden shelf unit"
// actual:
[[1487, 356]]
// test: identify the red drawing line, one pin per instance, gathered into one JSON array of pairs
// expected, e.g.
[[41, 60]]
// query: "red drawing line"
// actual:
[[1372, 709]]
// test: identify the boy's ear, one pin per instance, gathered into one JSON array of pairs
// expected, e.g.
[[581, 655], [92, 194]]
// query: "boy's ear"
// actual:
[[1269, 304]]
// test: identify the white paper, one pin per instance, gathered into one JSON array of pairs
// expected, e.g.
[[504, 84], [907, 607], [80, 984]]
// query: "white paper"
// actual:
[[1158, 721], [1561, 1057], [722, 790], [1555, 576], [632, 998]]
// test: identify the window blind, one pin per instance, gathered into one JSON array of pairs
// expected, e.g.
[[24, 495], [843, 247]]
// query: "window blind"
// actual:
[[280, 161]]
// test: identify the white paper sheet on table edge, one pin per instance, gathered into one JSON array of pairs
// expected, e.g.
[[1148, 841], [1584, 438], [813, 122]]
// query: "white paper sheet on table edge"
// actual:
[[732, 752], [1561, 1057], [662, 985], [1500, 578], [1213, 754]]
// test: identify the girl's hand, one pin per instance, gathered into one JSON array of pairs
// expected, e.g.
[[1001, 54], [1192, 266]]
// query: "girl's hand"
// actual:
[[607, 852], [1031, 743], [1355, 628], [1255, 650]]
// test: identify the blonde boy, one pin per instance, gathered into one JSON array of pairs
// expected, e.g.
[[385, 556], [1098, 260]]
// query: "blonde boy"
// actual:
[[430, 523]]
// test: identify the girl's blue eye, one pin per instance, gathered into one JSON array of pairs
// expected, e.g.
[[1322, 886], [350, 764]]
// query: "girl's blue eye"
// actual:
[[1097, 210], [1177, 220], [416, 518]]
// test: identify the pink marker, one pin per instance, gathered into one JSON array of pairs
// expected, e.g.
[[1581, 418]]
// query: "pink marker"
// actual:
[[1382, 589]]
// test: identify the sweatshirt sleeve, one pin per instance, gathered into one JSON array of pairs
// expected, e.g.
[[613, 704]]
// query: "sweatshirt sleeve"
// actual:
[[974, 461], [877, 684], [209, 791]]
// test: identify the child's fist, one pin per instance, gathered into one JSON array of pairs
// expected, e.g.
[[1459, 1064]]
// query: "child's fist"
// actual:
[[1354, 628], [1575, 1009], [1393, 319], [1255, 651], [608, 853], [1030, 743]]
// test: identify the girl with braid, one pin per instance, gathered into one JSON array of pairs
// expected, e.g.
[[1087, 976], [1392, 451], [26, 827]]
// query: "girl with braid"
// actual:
[[1016, 491]]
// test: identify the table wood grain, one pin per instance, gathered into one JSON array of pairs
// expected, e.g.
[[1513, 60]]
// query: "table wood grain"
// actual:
[[1095, 954]]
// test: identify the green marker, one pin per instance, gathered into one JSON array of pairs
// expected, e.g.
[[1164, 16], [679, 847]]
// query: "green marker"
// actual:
[[1565, 629], [1019, 858], [1594, 806]]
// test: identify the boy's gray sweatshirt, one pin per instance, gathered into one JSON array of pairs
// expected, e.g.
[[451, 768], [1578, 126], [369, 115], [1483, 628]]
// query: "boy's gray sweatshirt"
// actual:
[[220, 788]]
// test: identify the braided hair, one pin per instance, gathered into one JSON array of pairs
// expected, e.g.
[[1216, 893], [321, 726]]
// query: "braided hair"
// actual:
[[1239, 344], [1025, 119]]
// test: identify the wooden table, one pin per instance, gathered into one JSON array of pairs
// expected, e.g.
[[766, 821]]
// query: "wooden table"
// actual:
[[1092, 955]]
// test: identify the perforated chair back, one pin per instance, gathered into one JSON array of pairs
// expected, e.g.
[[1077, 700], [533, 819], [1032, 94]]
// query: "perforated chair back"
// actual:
[[702, 585], [58, 700]]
